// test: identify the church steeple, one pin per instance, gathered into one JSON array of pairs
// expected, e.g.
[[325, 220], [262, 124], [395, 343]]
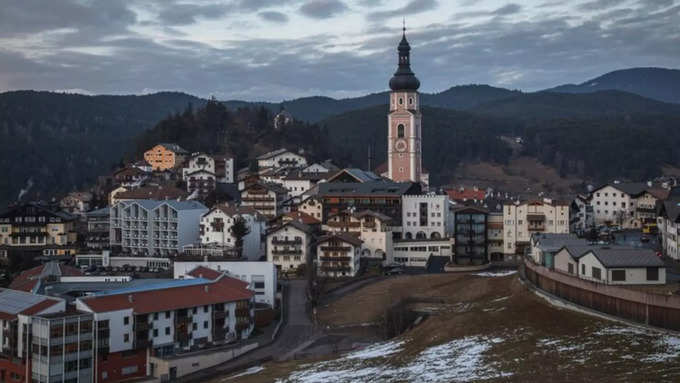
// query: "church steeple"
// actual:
[[404, 78]]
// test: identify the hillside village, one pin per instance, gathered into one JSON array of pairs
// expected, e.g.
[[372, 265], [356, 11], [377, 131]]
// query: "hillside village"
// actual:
[[180, 260]]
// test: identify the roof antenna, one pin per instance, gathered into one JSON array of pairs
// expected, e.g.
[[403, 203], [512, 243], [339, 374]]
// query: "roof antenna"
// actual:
[[404, 27]]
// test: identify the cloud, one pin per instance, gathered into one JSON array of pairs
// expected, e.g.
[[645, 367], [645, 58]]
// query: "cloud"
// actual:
[[322, 9], [412, 8], [184, 14], [274, 16], [508, 9], [597, 5]]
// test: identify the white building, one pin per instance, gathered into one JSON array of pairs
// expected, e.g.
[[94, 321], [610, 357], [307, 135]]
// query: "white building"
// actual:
[[151, 227], [415, 253], [338, 255], [612, 265], [370, 227], [668, 223], [216, 230], [582, 214], [281, 158], [266, 198], [312, 206], [629, 205], [289, 246], [261, 276], [168, 317], [425, 216], [521, 220]]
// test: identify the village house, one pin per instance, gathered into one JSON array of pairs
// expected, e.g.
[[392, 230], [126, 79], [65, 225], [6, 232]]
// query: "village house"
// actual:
[[265, 198], [289, 246], [425, 216], [216, 229], [165, 156], [471, 238], [616, 265], [668, 223], [371, 227], [131, 176], [281, 158], [522, 219], [76, 202], [338, 255], [626, 204], [311, 206]]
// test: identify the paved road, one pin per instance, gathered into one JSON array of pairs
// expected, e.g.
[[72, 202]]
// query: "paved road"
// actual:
[[298, 331]]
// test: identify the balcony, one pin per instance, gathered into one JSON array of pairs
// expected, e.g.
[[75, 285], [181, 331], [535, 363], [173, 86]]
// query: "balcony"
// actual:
[[536, 228], [219, 314], [330, 269], [335, 259], [344, 224], [343, 249], [141, 326], [296, 241], [258, 199], [287, 252], [243, 312]]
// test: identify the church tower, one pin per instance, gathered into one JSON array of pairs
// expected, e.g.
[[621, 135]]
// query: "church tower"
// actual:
[[404, 134]]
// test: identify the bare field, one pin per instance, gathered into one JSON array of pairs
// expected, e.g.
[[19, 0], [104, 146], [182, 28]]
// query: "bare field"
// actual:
[[488, 328]]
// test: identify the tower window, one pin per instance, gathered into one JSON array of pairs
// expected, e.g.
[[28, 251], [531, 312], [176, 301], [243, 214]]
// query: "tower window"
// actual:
[[400, 131], [410, 100], [401, 101]]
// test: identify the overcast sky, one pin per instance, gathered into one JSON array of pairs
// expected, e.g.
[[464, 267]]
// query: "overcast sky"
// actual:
[[283, 49]]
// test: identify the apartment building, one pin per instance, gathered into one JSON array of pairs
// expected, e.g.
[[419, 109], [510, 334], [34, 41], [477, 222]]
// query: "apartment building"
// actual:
[[668, 223], [132, 324], [311, 206], [289, 245], [17, 347], [34, 229], [470, 230], [494, 233], [425, 216], [629, 205], [371, 227], [97, 236], [338, 255], [157, 228], [165, 156], [417, 252], [384, 197], [582, 214], [76, 202], [266, 198], [522, 219], [216, 225]]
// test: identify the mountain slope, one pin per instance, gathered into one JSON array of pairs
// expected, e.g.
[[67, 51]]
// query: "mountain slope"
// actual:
[[314, 109], [550, 105], [655, 83], [64, 141]]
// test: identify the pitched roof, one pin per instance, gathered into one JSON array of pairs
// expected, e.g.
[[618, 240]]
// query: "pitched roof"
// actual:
[[617, 256], [466, 194], [29, 279], [274, 153], [358, 174], [294, 223], [103, 212], [345, 237], [222, 289], [204, 272], [374, 188], [380, 216], [302, 217], [233, 210], [14, 302], [155, 192], [276, 188], [630, 188], [174, 148]]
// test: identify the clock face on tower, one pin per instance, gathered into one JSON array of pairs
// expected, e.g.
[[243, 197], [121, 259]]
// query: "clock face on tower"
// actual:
[[400, 145]]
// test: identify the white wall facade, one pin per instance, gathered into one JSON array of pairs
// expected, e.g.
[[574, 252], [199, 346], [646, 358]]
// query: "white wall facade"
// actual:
[[611, 205], [261, 276], [425, 215], [416, 253], [282, 252], [517, 228], [211, 234]]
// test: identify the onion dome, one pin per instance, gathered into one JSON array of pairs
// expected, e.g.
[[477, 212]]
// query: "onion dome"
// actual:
[[404, 78]]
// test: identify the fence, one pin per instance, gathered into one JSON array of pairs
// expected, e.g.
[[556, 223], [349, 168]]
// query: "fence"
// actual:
[[648, 308]]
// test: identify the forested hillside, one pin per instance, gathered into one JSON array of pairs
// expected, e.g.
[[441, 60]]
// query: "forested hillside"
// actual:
[[62, 142]]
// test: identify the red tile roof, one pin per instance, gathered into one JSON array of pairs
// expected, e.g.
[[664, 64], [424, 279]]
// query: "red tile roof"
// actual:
[[27, 280], [204, 272], [303, 217], [466, 194], [224, 289], [47, 303]]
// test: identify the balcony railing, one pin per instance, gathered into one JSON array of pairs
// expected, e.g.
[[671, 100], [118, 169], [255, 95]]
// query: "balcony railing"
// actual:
[[258, 199], [287, 252], [296, 241], [243, 312], [219, 314], [336, 248], [335, 269], [335, 259], [344, 224]]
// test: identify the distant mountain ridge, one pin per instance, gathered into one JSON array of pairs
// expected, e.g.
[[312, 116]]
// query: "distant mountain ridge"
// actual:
[[656, 83]]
